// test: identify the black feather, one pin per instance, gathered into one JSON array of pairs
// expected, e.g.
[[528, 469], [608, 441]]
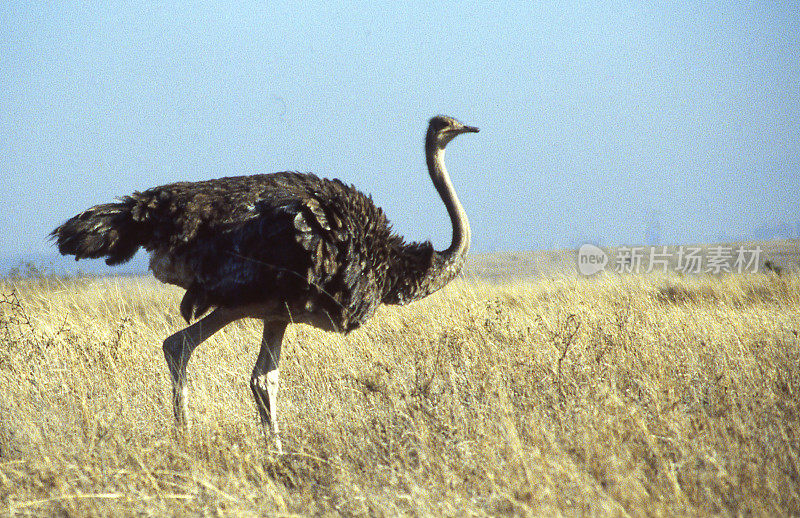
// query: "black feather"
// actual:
[[102, 231], [290, 238]]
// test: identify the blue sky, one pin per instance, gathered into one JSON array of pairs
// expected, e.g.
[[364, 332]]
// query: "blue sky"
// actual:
[[597, 119]]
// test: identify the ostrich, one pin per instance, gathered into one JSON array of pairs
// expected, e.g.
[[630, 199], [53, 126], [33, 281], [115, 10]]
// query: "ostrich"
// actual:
[[284, 248]]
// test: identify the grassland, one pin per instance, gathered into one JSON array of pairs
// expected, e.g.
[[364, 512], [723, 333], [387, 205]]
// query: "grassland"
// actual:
[[617, 396]]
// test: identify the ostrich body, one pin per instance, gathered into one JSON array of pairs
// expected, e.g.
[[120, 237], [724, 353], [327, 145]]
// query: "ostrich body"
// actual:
[[283, 247]]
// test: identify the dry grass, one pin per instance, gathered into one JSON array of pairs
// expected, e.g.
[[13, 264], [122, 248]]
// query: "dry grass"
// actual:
[[614, 396]]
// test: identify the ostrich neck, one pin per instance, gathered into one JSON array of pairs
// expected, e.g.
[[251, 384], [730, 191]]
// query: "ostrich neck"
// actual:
[[441, 180], [419, 270]]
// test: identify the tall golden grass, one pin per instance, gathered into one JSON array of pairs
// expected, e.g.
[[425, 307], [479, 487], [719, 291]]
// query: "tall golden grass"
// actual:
[[617, 396]]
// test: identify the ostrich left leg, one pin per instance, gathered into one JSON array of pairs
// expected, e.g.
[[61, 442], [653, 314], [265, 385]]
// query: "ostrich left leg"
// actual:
[[265, 379]]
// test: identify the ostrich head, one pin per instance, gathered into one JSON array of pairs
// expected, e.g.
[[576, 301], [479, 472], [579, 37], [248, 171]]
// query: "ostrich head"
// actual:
[[442, 129]]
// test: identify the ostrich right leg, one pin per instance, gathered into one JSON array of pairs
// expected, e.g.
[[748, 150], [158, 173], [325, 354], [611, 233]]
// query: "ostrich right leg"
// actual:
[[178, 348]]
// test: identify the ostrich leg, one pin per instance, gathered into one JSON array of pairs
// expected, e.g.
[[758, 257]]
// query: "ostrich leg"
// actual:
[[178, 348], [265, 379]]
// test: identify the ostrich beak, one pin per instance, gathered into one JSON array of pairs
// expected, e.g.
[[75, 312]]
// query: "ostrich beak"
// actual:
[[470, 129]]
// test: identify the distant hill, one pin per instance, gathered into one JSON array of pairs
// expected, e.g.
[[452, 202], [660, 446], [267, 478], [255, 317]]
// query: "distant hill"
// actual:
[[780, 255], [783, 255], [56, 263]]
